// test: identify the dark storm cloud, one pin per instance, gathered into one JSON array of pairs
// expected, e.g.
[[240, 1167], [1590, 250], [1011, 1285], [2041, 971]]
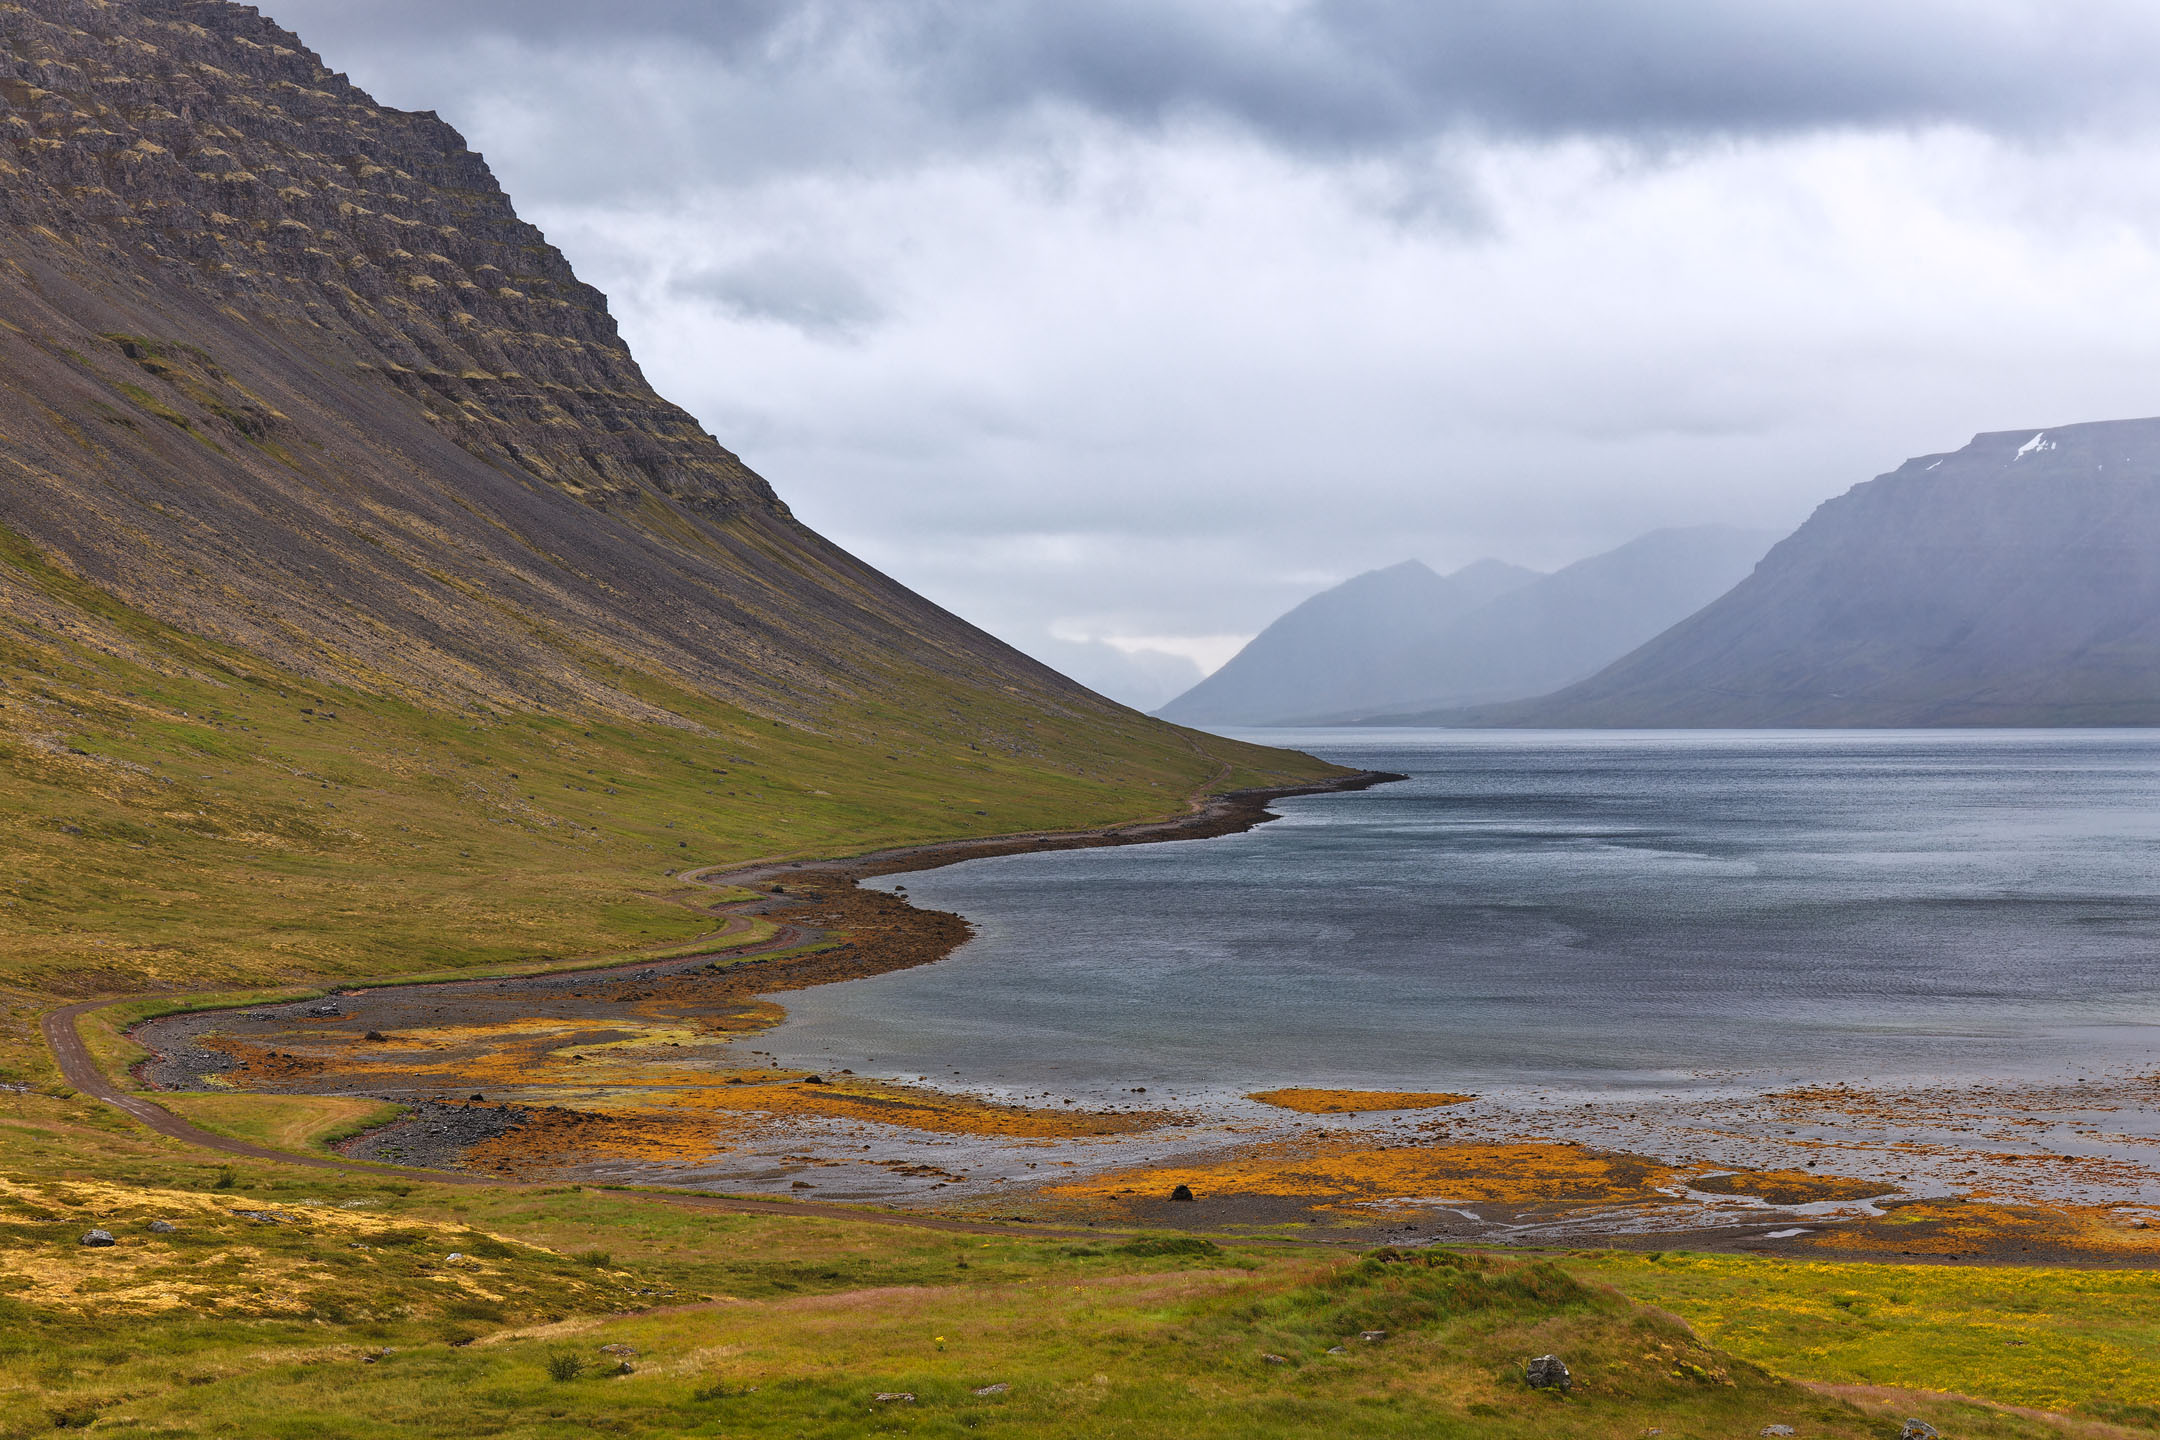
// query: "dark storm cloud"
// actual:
[[1328, 75]]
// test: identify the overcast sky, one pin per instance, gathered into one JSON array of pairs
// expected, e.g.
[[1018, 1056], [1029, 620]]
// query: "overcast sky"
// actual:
[[1119, 326]]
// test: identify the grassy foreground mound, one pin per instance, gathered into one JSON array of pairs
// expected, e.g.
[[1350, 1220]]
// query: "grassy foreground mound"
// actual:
[[287, 1303]]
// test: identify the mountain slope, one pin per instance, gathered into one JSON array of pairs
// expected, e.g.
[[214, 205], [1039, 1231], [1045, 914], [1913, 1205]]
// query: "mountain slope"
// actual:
[[363, 606], [2013, 582], [285, 368], [1326, 653], [1571, 623]]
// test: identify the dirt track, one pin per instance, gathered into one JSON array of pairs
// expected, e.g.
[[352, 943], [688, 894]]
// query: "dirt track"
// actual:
[[1213, 815]]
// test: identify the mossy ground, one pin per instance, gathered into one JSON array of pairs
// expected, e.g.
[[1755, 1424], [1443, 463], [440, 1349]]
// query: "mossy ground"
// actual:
[[179, 818], [176, 815], [2085, 1341], [343, 1314]]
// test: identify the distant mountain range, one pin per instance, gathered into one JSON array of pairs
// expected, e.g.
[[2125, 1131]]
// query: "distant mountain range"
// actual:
[[1338, 649], [1402, 642], [2013, 582]]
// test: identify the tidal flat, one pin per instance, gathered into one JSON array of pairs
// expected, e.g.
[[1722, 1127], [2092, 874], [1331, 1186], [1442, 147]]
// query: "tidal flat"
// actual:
[[1872, 995]]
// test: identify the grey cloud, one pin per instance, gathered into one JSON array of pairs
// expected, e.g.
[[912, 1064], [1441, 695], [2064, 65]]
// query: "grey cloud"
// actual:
[[1327, 75], [813, 295]]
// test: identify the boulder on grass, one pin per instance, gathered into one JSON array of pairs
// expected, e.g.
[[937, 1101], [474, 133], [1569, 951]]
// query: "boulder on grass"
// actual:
[[1549, 1372]]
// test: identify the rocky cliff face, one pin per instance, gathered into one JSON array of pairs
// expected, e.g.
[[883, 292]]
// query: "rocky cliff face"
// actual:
[[283, 368], [198, 143], [2013, 582]]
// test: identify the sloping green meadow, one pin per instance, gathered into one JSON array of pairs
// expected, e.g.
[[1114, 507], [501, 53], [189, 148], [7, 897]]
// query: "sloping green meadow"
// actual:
[[178, 816]]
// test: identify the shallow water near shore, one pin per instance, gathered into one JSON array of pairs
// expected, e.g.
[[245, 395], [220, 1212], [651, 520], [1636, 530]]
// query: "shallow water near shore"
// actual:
[[1568, 913]]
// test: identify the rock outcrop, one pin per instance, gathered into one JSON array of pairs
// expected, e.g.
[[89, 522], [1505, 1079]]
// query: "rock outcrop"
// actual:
[[200, 145], [282, 368]]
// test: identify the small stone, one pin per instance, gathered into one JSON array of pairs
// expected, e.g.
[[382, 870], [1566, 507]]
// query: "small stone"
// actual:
[[376, 1035], [98, 1238], [1919, 1430], [998, 1389], [453, 1257], [1274, 1359], [1336, 1350], [813, 1080], [1372, 1336], [889, 1397], [621, 1352], [1183, 1192], [1549, 1372], [162, 1227], [1777, 1430], [325, 1010]]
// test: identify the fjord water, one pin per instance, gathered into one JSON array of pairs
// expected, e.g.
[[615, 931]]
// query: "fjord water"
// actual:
[[1570, 910]]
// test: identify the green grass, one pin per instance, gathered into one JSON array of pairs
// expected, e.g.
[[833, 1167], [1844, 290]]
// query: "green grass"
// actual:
[[793, 1326], [754, 1325], [304, 1124], [178, 816], [2085, 1341]]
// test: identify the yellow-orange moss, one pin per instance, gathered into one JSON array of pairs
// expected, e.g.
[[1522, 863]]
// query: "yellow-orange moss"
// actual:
[[1524, 1173], [1356, 1102], [1791, 1187]]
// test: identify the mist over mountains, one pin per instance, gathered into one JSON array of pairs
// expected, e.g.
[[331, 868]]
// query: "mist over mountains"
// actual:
[[1340, 648], [1402, 641], [2013, 582]]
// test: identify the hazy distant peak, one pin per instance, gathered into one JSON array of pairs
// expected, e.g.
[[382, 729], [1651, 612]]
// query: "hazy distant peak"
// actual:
[[1484, 580], [2013, 582], [1404, 636]]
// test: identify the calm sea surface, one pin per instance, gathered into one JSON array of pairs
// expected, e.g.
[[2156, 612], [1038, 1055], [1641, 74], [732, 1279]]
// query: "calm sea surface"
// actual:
[[1566, 910]]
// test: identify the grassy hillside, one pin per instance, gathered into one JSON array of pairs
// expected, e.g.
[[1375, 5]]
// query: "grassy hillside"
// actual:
[[177, 814]]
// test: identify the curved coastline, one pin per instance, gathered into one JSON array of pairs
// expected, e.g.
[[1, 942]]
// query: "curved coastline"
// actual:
[[1210, 815]]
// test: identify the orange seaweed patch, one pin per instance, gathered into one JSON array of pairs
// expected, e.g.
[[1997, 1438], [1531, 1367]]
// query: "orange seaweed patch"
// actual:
[[1976, 1229], [553, 1140], [920, 1110], [259, 1065], [1528, 1173], [1355, 1102], [1791, 1187], [680, 1124]]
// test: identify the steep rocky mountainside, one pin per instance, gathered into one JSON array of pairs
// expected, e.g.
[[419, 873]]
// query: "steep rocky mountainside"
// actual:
[[2013, 582], [1336, 649], [282, 367]]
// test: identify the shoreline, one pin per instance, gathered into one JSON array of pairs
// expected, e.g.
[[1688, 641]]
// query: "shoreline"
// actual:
[[1228, 813], [1209, 815], [674, 1097]]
